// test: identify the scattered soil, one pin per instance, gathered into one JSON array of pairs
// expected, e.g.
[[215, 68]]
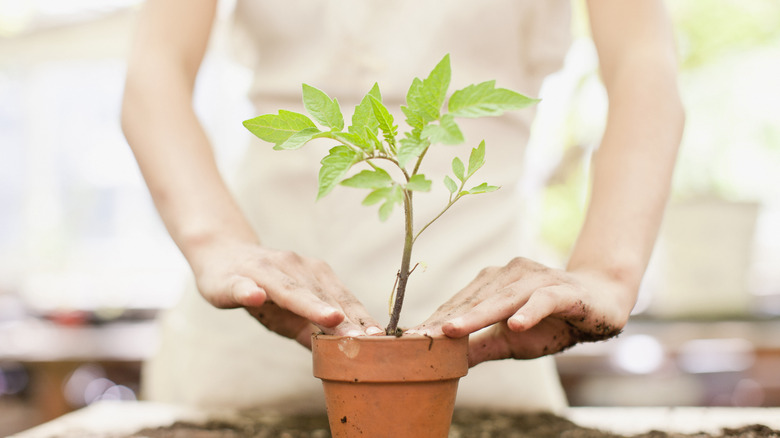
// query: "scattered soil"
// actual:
[[466, 424]]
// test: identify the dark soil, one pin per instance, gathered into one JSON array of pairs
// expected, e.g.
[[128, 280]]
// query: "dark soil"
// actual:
[[466, 424]]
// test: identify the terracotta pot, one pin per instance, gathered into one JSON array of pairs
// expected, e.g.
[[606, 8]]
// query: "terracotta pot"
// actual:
[[383, 386]]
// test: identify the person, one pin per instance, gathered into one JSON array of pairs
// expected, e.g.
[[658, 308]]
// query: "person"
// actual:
[[297, 266]]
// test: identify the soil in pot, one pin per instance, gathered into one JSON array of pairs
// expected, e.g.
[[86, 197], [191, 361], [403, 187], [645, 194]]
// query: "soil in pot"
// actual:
[[467, 423]]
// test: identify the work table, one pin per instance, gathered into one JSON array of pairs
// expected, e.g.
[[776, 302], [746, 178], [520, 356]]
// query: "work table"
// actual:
[[118, 419]]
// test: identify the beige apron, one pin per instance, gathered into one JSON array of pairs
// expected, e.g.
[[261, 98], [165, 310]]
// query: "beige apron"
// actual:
[[213, 357]]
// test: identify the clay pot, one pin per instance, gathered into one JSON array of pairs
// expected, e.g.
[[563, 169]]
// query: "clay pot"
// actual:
[[384, 386]]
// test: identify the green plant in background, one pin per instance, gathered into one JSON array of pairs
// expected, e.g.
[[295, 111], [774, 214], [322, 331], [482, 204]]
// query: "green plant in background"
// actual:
[[373, 142], [707, 30]]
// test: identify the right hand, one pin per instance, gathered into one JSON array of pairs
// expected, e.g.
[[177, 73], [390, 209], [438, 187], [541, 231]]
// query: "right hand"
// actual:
[[291, 295]]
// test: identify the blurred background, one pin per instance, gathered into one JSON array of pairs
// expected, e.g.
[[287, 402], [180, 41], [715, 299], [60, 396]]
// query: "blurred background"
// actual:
[[85, 263]]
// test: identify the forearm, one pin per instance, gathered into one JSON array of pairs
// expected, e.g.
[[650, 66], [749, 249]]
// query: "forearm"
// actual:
[[632, 174], [170, 146], [177, 162]]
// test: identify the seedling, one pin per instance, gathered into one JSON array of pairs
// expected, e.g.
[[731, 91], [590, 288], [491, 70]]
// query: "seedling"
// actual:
[[373, 143]]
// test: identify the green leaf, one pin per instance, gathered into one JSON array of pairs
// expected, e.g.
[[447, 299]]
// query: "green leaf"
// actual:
[[364, 114], [426, 97], [390, 195], [377, 196], [458, 169], [418, 183], [277, 128], [446, 132], [482, 188], [350, 138], [385, 119], [477, 158], [369, 179], [324, 109], [386, 210], [486, 100], [298, 139], [451, 185], [373, 140], [411, 148], [334, 166], [413, 119]]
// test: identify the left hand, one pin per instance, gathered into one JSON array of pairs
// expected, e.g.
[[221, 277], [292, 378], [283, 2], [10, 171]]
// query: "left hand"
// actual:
[[532, 311]]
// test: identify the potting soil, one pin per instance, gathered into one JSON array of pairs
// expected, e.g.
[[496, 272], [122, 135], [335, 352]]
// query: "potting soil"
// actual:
[[466, 424]]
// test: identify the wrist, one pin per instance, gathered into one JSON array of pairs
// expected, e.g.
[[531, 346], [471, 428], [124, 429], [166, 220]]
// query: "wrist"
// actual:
[[616, 285], [196, 241]]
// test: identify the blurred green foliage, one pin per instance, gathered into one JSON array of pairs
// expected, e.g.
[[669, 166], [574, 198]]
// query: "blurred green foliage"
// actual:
[[708, 29]]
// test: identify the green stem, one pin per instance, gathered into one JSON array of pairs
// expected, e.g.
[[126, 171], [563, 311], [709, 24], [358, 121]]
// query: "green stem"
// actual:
[[403, 274], [449, 204], [419, 160]]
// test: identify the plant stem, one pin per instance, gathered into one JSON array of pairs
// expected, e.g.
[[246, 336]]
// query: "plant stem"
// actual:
[[403, 274], [449, 204]]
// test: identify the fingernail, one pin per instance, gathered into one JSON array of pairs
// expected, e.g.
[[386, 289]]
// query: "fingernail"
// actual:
[[354, 333], [371, 331]]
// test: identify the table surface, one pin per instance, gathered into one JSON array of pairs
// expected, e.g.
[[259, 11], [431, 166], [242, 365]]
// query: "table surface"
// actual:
[[112, 418]]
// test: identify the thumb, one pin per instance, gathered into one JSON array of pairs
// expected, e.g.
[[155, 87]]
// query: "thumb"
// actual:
[[488, 344]]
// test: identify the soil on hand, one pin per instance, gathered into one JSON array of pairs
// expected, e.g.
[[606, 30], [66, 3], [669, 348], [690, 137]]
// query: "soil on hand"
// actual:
[[466, 424]]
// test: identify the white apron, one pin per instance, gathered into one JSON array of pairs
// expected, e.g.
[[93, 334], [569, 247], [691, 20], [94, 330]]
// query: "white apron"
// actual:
[[211, 357]]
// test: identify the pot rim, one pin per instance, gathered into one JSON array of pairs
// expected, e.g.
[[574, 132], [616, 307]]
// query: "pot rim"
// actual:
[[410, 358]]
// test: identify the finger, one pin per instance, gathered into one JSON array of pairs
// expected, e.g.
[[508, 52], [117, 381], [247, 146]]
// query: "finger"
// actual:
[[304, 336], [246, 293], [283, 322], [291, 295], [237, 291], [487, 345], [358, 321], [542, 303], [494, 309]]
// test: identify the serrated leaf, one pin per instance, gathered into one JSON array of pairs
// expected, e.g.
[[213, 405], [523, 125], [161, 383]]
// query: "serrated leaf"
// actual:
[[334, 166], [426, 97], [411, 148], [458, 169], [369, 179], [385, 119], [482, 188], [390, 195], [446, 132], [350, 138], [413, 118], [374, 141], [325, 110], [298, 139], [418, 183], [477, 158], [277, 128], [363, 116], [451, 185], [478, 100]]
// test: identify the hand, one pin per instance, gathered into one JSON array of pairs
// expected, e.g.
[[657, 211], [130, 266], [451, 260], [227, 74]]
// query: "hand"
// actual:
[[531, 311], [291, 295]]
